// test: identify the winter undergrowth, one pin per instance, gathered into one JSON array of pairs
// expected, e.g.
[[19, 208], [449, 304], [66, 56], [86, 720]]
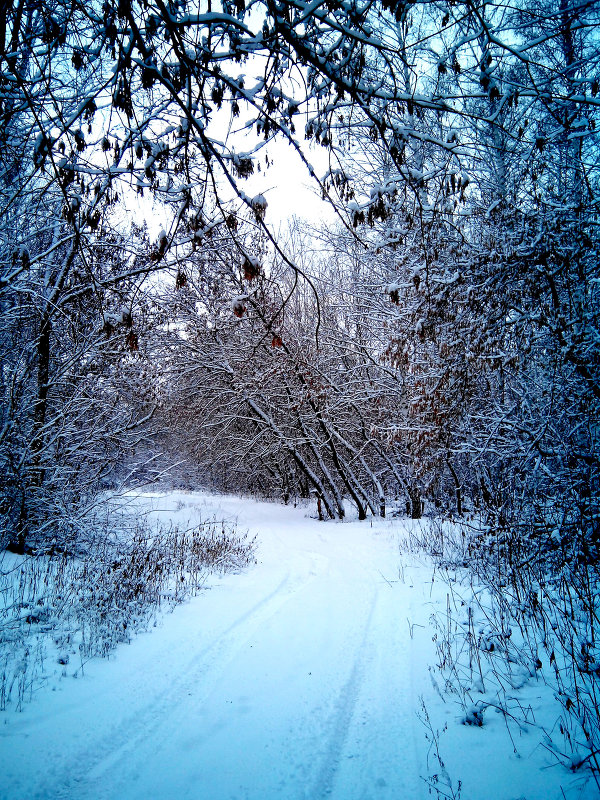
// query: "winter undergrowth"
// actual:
[[60, 609], [518, 614]]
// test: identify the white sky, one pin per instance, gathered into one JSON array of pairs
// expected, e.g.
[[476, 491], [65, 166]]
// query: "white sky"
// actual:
[[286, 185]]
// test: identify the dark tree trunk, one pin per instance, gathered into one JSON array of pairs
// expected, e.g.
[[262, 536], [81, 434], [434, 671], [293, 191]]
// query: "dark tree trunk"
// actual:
[[41, 403], [457, 489], [416, 503]]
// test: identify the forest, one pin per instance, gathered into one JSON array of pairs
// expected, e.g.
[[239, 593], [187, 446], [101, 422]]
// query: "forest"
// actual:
[[431, 351]]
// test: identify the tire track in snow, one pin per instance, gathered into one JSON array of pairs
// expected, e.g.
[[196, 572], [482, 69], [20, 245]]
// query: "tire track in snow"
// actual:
[[339, 723]]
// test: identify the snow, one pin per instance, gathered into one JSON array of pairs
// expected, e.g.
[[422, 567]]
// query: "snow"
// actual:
[[300, 677]]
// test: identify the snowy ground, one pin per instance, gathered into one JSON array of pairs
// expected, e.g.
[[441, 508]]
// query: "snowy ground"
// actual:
[[299, 679]]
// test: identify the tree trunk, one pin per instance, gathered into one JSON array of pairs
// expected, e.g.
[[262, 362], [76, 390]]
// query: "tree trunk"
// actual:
[[416, 503], [457, 489], [41, 402], [35, 478]]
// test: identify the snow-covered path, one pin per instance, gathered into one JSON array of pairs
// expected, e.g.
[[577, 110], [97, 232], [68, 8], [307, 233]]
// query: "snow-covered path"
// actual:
[[295, 679]]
